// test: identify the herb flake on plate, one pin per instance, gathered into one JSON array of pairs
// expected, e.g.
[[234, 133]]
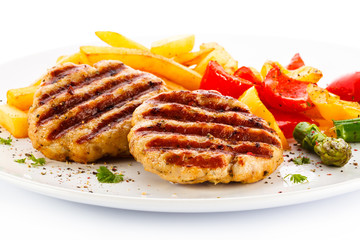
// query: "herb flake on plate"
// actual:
[[297, 178], [104, 175], [301, 160], [35, 161], [4, 141]]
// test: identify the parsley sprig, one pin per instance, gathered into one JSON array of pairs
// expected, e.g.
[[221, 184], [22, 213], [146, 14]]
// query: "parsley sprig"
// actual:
[[301, 160], [4, 141], [104, 175], [35, 161], [297, 178], [22, 160]]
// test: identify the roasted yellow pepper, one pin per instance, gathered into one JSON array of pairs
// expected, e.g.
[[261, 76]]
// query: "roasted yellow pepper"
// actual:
[[304, 73], [252, 100], [330, 106]]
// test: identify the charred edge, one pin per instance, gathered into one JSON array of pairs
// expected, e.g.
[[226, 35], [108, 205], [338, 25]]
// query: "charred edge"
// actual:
[[75, 101], [87, 113], [205, 100], [228, 134], [187, 160], [109, 122], [58, 73], [176, 143], [103, 73], [188, 114]]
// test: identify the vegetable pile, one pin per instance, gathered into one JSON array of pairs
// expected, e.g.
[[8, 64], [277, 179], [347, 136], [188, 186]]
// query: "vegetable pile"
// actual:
[[287, 96], [283, 96]]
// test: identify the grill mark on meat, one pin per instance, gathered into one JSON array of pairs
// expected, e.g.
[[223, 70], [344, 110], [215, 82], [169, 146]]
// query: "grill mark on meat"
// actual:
[[105, 72], [223, 132], [74, 101], [184, 113], [193, 137], [209, 101], [187, 160], [59, 73], [88, 111], [176, 143], [109, 122]]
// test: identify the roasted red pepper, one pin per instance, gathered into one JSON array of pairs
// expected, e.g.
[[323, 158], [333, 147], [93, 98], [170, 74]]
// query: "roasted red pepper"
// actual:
[[288, 121], [216, 78], [248, 74], [296, 62], [283, 93], [347, 87]]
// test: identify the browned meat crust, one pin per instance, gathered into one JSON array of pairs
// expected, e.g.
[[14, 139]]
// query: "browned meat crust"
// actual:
[[83, 113], [193, 137]]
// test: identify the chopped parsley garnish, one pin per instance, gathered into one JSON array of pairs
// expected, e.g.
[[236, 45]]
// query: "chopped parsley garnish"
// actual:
[[301, 160], [104, 175], [35, 161], [20, 160], [5, 141], [297, 178]]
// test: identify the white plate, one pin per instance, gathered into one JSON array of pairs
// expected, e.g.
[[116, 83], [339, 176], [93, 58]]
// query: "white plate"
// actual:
[[146, 191]]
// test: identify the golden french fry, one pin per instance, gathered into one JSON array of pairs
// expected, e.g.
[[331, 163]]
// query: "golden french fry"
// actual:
[[21, 98], [61, 58], [304, 73], [146, 61], [37, 82], [117, 40], [173, 86], [77, 58], [14, 120], [192, 58], [173, 46], [231, 66], [219, 55], [74, 58], [214, 45]]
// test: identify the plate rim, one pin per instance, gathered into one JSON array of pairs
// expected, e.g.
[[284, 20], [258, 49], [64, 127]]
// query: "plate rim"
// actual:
[[198, 205]]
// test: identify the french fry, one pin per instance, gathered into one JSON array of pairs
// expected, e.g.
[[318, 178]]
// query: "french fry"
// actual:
[[173, 46], [21, 98], [231, 66], [14, 121], [37, 82], [216, 55], [304, 73], [173, 86], [220, 56], [117, 40], [146, 61], [74, 58], [61, 58], [192, 58], [77, 58]]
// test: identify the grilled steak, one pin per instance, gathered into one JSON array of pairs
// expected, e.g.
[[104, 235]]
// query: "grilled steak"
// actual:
[[83, 113], [193, 137]]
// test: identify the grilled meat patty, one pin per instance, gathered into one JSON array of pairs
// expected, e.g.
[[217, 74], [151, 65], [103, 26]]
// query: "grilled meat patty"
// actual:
[[83, 113], [193, 137]]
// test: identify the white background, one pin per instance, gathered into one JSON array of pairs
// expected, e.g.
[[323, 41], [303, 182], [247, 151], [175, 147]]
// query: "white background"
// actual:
[[29, 27]]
